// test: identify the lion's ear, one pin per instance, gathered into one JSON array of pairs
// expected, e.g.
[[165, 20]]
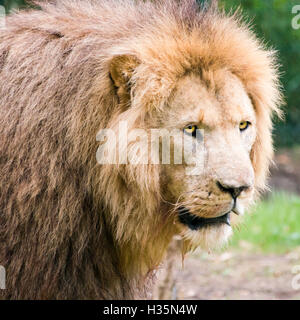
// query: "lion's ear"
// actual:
[[121, 70]]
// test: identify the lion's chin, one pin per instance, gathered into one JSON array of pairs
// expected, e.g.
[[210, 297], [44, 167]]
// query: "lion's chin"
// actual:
[[208, 238]]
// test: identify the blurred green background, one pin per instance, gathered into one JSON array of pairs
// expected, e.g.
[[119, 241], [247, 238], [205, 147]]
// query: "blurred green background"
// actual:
[[271, 21], [12, 4]]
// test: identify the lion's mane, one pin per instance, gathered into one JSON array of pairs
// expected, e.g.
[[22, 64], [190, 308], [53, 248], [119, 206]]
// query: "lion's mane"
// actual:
[[69, 227]]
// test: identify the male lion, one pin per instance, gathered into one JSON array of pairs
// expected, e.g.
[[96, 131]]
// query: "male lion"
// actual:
[[73, 228]]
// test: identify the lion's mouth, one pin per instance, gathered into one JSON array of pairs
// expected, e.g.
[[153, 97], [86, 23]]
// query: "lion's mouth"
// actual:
[[195, 223]]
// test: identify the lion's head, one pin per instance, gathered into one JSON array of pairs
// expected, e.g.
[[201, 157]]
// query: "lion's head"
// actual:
[[212, 78]]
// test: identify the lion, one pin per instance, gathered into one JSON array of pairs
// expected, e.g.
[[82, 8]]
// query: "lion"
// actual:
[[72, 228]]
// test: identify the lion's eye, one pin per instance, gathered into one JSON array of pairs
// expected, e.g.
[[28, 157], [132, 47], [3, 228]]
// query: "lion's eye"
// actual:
[[190, 129], [244, 125]]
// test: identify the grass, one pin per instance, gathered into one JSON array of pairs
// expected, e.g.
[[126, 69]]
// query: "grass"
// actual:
[[273, 225]]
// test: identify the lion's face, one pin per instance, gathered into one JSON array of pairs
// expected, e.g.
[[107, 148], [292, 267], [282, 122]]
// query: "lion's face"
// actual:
[[219, 106], [229, 146]]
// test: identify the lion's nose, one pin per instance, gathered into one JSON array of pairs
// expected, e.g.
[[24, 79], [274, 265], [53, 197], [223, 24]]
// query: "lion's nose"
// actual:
[[234, 190]]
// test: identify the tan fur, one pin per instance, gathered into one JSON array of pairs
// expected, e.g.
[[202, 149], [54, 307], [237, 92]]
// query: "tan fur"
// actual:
[[69, 227]]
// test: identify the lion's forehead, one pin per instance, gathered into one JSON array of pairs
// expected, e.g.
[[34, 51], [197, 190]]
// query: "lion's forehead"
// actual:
[[212, 101]]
